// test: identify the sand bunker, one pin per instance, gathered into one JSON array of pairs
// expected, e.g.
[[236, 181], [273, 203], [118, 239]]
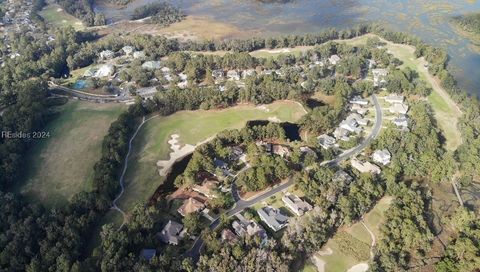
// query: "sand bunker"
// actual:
[[263, 108], [274, 119], [326, 252], [319, 263], [361, 267], [177, 153]]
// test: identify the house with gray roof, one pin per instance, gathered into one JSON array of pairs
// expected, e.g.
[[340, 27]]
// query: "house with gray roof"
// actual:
[[342, 176], [107, 54], [273, 218], [152, 65], [244, 227], [401, 121], [170, 234], [296, 204], [326, 141]]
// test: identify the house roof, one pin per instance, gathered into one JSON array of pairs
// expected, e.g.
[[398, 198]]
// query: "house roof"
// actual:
[[228, 235], [341, 175], [296, 203], [273, 217], [169, 233], [190, 205], [365, 167], [206, 188]]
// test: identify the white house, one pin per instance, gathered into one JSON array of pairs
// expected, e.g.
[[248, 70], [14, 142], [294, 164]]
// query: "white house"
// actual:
[[401, 121], [128, 50], [395, 99], [107, 54], [382, 156], [398, 108], [248, 73], [217, 74], [138, 55], [152, 65], [365, 167], [233, 75], [105, 71], [334, 59], [359, 101]]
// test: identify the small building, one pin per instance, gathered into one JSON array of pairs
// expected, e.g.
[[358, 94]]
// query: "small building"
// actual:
[[395, 99], [107, 54], [138, 55], [189, 206], [105, 70], [401, 121], [334, 59], [248, 73], [342, 177], [359, 101], [233, 75], [297, 205], [152, 65], [281, 150], [217, 74], [183, 76], [326, 141], [357, 117], [148, 253], [207, 188], [128, 50], [365, 167], [371, 63], [379, 77], [273, 218], [170, 234], [382, 156], [228, 236], [398, 108], [147, 92]]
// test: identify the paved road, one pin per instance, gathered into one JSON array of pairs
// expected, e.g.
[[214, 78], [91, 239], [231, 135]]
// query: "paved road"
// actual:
[[241, 204], [58, 89], [375, 131]]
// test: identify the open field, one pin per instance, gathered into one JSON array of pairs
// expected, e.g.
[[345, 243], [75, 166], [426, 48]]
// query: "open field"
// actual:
[[191, 28], [62, 165], [192, 127], [351, 245], [446, 111], [56, 16]]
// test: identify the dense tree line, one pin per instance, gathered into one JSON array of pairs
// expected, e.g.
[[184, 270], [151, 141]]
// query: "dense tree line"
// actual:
[[161, 13], [463, 251], [406, 235], [468, 22], [83, 10]]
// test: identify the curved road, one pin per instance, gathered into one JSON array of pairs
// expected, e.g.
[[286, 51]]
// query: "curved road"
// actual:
[[88, 96], [241, 204]]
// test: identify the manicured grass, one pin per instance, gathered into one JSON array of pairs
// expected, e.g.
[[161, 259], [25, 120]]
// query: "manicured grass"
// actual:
[[151, 144], [57, 17], [62, 165], [351, 245]]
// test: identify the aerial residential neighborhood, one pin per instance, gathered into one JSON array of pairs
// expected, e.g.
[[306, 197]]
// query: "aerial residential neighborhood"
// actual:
[[220, 136]]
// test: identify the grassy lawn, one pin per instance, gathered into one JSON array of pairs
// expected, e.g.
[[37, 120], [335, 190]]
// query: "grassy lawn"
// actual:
[[446, 111], [151, 144], [351, 245], [62, 165], [56, 16]]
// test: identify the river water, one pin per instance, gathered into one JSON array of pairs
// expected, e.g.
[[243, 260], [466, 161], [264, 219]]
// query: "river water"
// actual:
[[428, 19]]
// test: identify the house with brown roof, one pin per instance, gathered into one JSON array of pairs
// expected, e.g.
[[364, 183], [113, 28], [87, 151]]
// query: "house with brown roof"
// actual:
[[190, 205], [229, 236], [365, 167], [207, 188]]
